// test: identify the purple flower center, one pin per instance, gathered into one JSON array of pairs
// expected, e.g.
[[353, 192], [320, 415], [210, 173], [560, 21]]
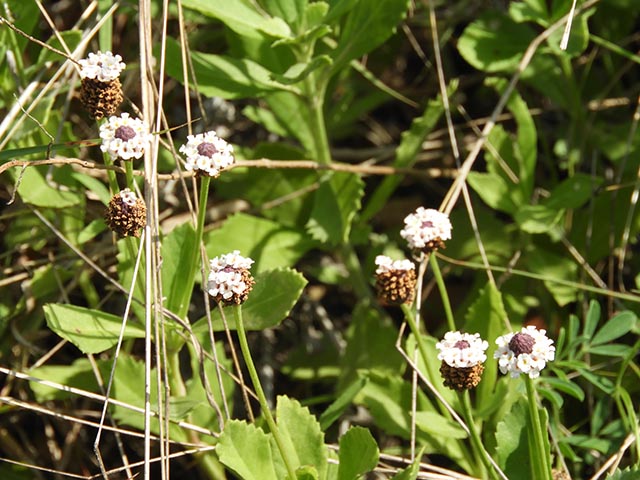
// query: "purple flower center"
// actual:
[[207, 149], [427, 224], [125, 133], [521, 343], [462, 344]]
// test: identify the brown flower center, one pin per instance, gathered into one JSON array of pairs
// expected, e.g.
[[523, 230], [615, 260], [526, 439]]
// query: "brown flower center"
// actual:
[[125, 133], [207, 149], [462, 344], [521, 343]]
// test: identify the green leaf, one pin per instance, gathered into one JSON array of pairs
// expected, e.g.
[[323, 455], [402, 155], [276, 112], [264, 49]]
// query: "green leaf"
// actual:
[[299, 71], [340, 404], [291, 11], [95, 227], [246, 449], [270, 301], [614, 350], [629, 473], [493, 190], [335, 206], [302, 435], [552, 266], [221, 76], [368, 25], [435, 424], [268, 243], [592, 319], [487, 316], [79, 375], [71, 39], [412, 471], [494, 42], [36, 190], [242, 17], [616, 327], [306, 472], [573, 192], [92, 331], [537, 218], [369, 328], [176, 247], [358, 453], [566, 386], [512, 450]]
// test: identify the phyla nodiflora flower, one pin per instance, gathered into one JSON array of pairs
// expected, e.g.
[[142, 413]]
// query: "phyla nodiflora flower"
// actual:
[[395, 280], [126, 214], [229, 278], [527, 351], [101, 92], [426, 229], [462, 356], [124, 137], [207, 154]]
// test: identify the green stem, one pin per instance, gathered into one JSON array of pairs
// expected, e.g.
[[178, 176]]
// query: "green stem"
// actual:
[[443, 292], [195, 253], [409, 317], [476, 442], [246, 353], [541, 462], [128, 165]]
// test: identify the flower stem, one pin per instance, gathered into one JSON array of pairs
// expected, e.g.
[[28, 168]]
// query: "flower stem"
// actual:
[[128, 165], [478, 448], [246, 353], [409, 317], [443, 292], [540, 456]]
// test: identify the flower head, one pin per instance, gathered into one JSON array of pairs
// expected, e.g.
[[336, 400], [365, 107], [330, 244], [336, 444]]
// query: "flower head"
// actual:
[[124, 137], [229, 278], [207, 154], [462, 356], [395, 280], [527, 351], [426, 229], [126, 214], [103, 67]]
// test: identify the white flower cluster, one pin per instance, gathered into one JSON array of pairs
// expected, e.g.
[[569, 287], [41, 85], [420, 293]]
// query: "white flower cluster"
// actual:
[[124, 137], [462, 350], [128, 197], [527, 351], [225, 276], [103, 67], [424, 226], [386, 264], [207, 154]]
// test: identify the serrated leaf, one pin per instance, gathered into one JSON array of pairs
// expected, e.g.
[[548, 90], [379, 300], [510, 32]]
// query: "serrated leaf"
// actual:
[[301, 433], [616, 327], [270, 301], [242, 17], [629, 473], [358, 453], [335, 206], [494, 42], [512, 444], [222, 76], [368, 25], [92, 331], [246, 449], [268, 243]]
